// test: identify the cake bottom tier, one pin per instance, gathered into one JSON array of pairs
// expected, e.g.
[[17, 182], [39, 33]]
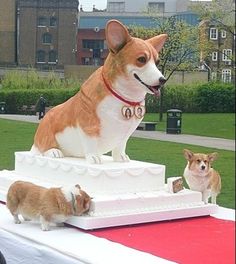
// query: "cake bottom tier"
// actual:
[[126, 209]]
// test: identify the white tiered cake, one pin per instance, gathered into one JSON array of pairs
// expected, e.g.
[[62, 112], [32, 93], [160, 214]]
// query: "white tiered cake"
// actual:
[[123, 193]]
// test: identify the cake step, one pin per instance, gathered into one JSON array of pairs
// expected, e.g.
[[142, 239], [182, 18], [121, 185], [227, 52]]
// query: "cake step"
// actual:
[[96, 179], [126, 209], [88, 222]]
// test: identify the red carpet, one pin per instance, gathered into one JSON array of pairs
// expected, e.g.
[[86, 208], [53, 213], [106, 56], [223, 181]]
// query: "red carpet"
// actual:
[[191, 241]]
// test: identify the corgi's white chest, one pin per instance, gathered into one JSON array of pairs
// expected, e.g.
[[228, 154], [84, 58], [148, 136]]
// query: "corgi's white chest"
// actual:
[[115, 129], [196, 183]]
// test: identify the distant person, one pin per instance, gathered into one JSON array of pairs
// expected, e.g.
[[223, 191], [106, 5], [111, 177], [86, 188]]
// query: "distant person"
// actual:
[[2, 259], [42, 106]]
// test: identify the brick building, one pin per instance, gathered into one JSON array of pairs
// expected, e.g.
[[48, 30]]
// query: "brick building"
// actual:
[[7, 32], [91, 43], [221, 60], [43, 32]]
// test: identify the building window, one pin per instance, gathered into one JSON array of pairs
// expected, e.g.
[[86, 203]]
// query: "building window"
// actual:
[[52, 57], [93, 44], [158, 7], [86, 61], [226, 75], [53, 22], [214, 56], [226, 55], [47, 38], [40, 56], [213, 33], [223, 33], [116, 7], [42, 22], [214, 76]]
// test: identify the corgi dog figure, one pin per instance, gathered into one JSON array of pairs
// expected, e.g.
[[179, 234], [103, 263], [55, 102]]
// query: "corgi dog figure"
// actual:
[[200, 176], [95, 120], [55, 205]]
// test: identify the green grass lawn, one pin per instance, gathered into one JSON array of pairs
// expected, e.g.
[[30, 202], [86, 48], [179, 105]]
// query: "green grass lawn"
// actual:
[[221, 125], [18, 136]]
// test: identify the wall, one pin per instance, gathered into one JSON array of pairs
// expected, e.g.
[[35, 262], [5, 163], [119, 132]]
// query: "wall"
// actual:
[[82, 72], [7, 32]]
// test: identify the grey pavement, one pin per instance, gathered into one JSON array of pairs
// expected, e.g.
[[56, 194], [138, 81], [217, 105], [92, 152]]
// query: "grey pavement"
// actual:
[[217, 143]]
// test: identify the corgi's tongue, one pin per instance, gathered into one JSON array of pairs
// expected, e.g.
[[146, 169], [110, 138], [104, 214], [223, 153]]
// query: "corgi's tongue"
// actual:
[[154, 89]]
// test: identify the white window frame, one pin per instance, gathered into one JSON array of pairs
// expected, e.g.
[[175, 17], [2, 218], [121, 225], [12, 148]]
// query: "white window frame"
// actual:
[[226, 75], [116, 7], [226, 54], [213, 33], [214, 56], [214, 76], [223, 33]]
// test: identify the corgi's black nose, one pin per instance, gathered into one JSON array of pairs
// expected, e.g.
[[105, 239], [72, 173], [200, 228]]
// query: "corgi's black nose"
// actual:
[[203, 167], [162, 80]]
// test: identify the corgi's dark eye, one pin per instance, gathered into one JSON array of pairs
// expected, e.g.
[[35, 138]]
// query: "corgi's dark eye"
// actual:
[[198, 161], [142, 59], [157, 62], [205, 161]]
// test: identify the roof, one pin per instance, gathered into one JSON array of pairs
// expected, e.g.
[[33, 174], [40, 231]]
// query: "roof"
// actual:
[[89, 20]]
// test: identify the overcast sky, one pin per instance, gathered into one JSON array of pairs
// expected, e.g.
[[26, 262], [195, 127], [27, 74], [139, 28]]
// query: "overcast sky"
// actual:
[[88, 4]]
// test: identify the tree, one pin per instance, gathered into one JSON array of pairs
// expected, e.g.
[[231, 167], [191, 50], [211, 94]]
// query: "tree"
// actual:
[[182, 49], [221, 12]]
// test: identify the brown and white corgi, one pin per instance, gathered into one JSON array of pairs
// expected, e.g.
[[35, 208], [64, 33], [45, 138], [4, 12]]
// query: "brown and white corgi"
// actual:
[[93, 122], [53, 205], [200, 176]]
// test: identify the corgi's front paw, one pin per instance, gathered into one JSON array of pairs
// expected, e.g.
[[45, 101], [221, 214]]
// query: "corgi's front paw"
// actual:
[[16, 219], [121, 158], [44, 224], [54, 153], [93, 159]]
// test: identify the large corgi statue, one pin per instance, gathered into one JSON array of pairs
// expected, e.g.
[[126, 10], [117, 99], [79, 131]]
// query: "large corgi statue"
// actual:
[[109, 106]]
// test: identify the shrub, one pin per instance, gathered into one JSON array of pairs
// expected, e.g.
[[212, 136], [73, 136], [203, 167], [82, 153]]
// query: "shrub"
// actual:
[[210, 97], [15, 99], [215, 97]]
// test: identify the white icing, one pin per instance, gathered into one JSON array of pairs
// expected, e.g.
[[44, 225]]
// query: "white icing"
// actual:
[[123, 193], [144, 201], [107, 178]]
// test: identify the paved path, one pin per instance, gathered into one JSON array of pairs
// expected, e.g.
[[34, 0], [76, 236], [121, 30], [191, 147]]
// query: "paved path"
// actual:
[[218, 143]]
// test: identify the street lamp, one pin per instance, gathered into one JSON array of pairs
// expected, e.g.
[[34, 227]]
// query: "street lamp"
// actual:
[[205, 65]]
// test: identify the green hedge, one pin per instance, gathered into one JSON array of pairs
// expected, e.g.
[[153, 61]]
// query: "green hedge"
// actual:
[[15, 99], [207, 98]]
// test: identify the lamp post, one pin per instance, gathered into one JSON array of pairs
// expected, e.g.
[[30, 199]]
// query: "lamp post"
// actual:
[[208, 69]]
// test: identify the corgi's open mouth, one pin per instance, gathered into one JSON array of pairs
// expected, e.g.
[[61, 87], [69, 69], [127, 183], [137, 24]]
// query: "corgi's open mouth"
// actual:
[[154, 89]]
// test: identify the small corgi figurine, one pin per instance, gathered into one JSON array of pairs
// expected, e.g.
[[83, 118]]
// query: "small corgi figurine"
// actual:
[[55, 205], [200, 176]]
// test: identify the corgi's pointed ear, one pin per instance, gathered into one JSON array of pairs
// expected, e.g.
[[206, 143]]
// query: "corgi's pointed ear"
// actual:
[[158, 41], [213, 156], [117, 35], [188, 154]]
